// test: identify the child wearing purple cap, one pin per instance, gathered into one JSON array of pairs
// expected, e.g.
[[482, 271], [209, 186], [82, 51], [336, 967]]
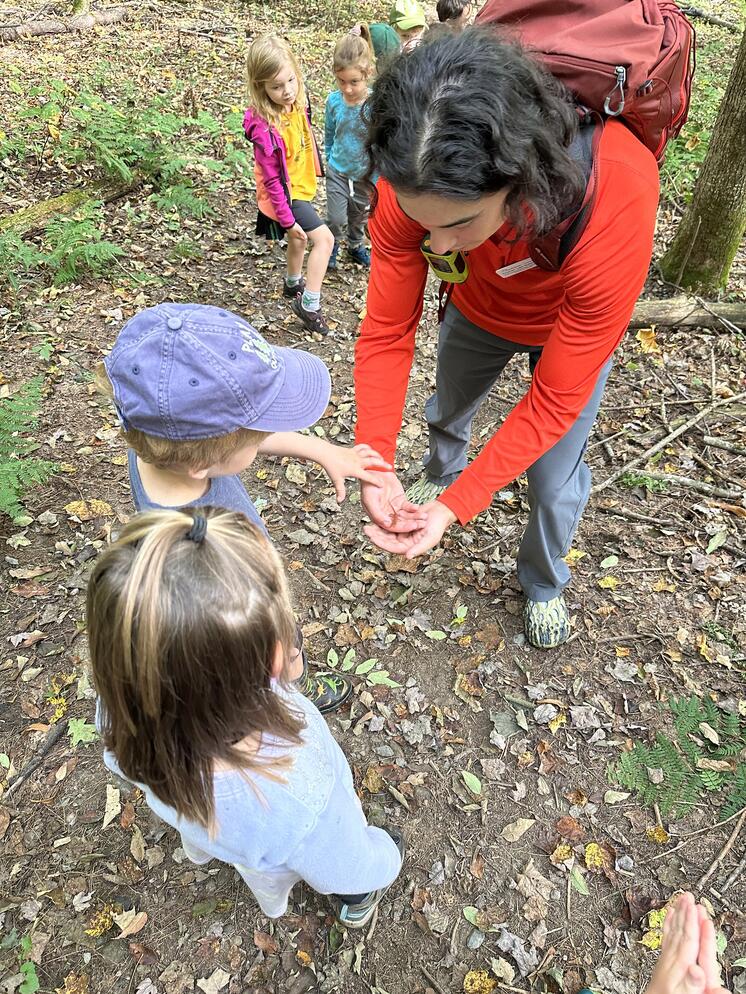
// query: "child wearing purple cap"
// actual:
[[199, 394]]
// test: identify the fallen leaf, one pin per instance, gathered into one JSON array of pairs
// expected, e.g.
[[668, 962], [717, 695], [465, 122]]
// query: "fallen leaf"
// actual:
[[265, 942], [515, 829], [569, 828], [609, 582], [143, 954], [112, 807], [217, 980], [648, 343], [473, 783], [577, 880], [502, 969], [130, 922], [479, 982]]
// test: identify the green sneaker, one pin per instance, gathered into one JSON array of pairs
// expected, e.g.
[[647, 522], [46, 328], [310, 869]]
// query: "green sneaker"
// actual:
[[324, 688], [424, 490], [358, 915], [546, 623]]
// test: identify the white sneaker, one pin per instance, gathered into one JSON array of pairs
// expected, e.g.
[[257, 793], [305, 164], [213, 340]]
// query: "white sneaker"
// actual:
[[546, 623], [424, 490]]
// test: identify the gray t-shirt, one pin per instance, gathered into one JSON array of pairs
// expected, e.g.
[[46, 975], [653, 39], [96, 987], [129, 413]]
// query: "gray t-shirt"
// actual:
[[224, 491]]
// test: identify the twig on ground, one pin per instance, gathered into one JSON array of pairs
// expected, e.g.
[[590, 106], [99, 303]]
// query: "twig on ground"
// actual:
[[692, 835], [723, 852], [716, 472], [668, 439], [687, 483], [719, 443], [431, 980], [728, 903], [52, 738], [317, 582], [648, 519], [734, 875], [710, 18]]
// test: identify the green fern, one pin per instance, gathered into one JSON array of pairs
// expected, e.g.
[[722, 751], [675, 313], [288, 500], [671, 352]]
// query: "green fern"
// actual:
[[19, 470], [685, 763], [77, 246]]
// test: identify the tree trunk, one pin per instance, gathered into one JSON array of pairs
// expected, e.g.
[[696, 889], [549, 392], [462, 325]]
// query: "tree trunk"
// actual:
[[680, 312], [56, 26], [708, 237]]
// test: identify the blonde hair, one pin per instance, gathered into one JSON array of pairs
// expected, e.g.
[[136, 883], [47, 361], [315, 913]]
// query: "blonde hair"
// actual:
[[164, 453], [355, 51], [183, 636], [265, 59]]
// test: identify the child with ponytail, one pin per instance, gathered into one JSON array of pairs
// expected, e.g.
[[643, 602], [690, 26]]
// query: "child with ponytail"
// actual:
[[191, 637]]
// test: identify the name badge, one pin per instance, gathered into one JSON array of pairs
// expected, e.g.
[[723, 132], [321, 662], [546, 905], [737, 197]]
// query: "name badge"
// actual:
[[516, 267]]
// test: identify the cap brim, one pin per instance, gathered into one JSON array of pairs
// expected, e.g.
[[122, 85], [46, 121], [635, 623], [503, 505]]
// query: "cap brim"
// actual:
[[304, 395], [407, 23]]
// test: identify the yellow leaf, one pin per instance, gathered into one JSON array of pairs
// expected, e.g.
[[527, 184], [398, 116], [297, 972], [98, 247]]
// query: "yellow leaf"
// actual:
[[53, 130], [479, 982], [561, 854], [664, 584], [119, 460], [621, 651], [594, 858], [669, 467], [658, 835], [673, 654], [704, 650], [101, 922], [574, 556], [303, 958], [609, 582], [652, 939], [262, 474], [646, 338], [85, 510], [557, 722]]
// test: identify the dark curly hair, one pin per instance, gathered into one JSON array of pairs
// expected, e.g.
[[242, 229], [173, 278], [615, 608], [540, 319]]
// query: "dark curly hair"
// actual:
[[465, 115]]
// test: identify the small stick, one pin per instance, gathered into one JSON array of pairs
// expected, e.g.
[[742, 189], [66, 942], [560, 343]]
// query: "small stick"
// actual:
[[713, 375], [727, 902], [723, 852], [52, 738], [719, 443], [686, 483], [431, 980], [734, 875], [716, 472], [691, 835], [669, 438], [623, 512]]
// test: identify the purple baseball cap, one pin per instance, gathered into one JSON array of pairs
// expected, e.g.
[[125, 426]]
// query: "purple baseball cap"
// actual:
[[190, 371]]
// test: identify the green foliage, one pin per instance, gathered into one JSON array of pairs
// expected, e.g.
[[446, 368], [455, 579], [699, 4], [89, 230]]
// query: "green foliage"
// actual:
[[19, 470], [181, 156], [705, 736], [76, 245], [716, 49], [641, 480]]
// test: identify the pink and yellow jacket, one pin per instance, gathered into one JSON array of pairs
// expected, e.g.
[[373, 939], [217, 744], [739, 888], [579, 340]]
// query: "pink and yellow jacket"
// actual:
[[273, 193]]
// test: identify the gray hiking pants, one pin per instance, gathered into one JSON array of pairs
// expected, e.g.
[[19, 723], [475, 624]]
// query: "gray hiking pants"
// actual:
[[469, 362], [347, 204]]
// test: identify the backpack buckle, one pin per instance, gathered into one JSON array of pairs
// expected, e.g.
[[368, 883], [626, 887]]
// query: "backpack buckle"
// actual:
[[621, 77]]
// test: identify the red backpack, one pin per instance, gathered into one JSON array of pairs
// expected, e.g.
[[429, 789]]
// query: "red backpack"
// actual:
[[632, 59]]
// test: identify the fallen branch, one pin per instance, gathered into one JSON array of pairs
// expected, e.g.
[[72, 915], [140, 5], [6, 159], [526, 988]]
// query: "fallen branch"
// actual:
[[719, 443], [687, 483], [702, 15], [665, 441], [57, 26], [687, 312], [52, 738], [36, 216], [624, 512], [723, 852]]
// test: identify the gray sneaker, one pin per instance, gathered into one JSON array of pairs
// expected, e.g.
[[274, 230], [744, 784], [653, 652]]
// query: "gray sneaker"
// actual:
[[424, 490], [546, 623], [358, 915]]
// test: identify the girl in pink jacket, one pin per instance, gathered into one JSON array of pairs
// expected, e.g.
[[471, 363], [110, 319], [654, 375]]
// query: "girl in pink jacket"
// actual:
[[286, 164]]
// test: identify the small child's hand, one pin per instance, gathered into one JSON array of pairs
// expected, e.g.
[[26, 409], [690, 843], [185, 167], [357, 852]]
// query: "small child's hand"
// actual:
[[359, 463]]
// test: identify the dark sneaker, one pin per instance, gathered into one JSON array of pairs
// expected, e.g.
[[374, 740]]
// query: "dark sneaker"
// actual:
[[358, 915], [547, 623], [313, 320], [360, 254], [291, 292], [324, 688], [332, 264]]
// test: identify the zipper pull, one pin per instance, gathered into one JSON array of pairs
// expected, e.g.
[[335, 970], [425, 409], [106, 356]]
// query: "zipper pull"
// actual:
[[621, 77]]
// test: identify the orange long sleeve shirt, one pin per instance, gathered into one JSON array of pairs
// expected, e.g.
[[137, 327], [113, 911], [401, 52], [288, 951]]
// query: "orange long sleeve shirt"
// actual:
[[577, 315]]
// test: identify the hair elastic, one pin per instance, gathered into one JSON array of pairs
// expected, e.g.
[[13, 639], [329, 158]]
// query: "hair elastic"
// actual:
[[198, 530]]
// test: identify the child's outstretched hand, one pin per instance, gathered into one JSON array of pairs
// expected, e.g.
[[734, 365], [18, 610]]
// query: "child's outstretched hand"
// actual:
[[358, 463]]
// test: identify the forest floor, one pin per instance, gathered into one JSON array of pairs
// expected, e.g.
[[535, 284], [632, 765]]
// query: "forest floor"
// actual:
[[531, 865]]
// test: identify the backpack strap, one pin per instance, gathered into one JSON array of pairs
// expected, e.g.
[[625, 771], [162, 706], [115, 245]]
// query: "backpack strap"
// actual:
[[551, 250]]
